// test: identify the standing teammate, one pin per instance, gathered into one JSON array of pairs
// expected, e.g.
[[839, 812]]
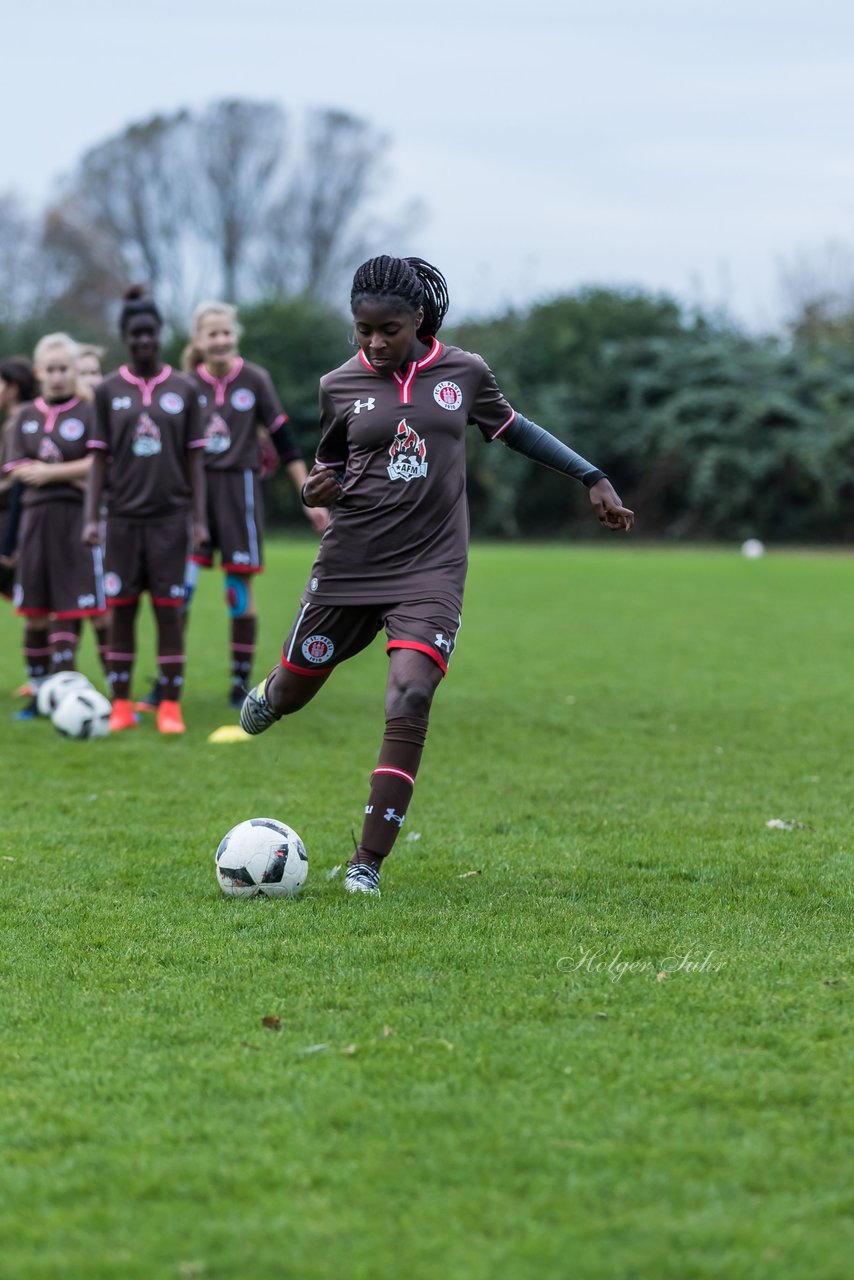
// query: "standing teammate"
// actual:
[[239, 403], [58, 581], [89, 369], [148, 431], [391, 460], [17, 386]]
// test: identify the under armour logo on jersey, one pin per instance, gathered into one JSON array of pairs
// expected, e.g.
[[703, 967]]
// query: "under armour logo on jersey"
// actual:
[[391, 816], [443, 642], [369, 808], [359, 405]]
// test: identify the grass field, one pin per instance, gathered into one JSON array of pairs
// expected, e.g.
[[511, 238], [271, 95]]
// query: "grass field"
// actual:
[[598, 1026]]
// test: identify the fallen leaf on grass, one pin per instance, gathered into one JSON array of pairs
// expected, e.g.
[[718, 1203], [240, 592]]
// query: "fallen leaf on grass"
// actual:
[[387, 1031], [314, 1048], [271, 1022], [333, 872], [188, 1270], [660, 977], [785, 824], [601, 1015], [465, 874], [412, 837], [247, 1044], [447, 1044], [351, 1050], [6, 858]]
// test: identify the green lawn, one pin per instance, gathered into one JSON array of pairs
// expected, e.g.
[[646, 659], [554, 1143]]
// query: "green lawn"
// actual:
[[622, 1050]]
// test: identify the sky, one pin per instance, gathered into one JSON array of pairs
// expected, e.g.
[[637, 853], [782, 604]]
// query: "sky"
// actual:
[[696, 147]]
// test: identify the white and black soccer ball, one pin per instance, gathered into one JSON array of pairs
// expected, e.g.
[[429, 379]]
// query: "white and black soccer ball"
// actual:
[[52, 690], [261, 856], [83, 713]]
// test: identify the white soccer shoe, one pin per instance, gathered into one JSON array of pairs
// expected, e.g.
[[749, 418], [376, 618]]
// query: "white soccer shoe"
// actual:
[[361, 877]]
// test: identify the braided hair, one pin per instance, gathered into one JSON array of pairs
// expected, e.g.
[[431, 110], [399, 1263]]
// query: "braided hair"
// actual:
[[412, 282], [138, 302]]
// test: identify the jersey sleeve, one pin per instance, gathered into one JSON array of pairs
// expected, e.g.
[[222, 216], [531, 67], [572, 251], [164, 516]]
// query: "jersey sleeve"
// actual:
[[99, 428], [333, 449], [14, 454], [194, 425], [490, 411], [272, 416]]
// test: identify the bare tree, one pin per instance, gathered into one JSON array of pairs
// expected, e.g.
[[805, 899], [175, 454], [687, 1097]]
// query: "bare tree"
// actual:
[[19, 278], [324, 226], [137, 191], [818, 289], [81, 268], [242, 148]]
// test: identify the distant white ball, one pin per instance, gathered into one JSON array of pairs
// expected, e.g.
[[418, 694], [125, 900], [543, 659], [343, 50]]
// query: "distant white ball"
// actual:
[[83, 713], [753, 549], [261, 856], [51, 691]]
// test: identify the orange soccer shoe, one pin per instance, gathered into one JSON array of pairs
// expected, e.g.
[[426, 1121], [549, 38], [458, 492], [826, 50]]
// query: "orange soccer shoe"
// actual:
[[169, 718], [122, 715]]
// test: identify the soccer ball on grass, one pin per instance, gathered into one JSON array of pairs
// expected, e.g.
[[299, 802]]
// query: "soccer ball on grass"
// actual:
[[261, 856], [82, 713], [51, 691]]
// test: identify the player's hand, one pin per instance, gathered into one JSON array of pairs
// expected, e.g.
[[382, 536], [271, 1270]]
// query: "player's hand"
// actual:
[[318, 518], [610, 510], [201, 534], [322, 488], [91, 534], [36, 474]]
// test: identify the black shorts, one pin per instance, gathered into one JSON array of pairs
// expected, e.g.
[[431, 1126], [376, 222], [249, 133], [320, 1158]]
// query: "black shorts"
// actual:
[[235, 521], [147, 555], [325, 634], [56, 573]]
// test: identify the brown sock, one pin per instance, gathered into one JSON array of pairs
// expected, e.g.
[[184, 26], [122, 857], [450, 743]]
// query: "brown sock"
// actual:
[[170, 651], [122, 654], [244, 632], [37, 654], [392, 783], [64, 641]]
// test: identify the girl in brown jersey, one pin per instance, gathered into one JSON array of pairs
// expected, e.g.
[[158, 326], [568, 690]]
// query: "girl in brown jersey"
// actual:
[[391, 464], [147, 429], [240, 409], [58, 582]]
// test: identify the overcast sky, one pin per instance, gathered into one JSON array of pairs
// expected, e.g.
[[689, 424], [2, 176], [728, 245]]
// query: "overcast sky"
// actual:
[[682, 145]]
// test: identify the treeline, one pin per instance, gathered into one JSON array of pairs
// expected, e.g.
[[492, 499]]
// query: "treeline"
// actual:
[[710, 433]]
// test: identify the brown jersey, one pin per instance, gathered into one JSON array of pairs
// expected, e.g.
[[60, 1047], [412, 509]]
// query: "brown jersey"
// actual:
[[400, 528], [42, 432], [233, 408], [146, 427]]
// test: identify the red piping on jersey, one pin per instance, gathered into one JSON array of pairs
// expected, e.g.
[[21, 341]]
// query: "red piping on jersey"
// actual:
[[304, 671], [33, 613], [504, 425], [277, 422], [79, 613], [146, 385], [406, 380], [220, 384], [420, 648], [171, 604], [243, 569], [120, 600], [52, 411]]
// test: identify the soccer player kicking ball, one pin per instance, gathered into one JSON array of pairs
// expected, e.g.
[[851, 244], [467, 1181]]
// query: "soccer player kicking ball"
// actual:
[[391, 465]]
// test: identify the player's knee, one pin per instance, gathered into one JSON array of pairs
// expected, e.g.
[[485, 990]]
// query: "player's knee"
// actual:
[[411, 699], [238, 596]]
